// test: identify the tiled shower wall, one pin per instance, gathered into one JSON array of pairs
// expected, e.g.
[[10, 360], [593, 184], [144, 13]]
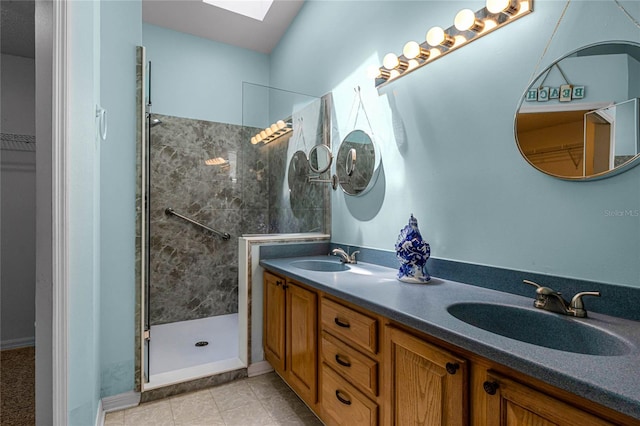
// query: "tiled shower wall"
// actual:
[[193, 273]]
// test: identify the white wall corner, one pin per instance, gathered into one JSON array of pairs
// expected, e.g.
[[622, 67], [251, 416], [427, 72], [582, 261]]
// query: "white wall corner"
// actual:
[[259, 368]]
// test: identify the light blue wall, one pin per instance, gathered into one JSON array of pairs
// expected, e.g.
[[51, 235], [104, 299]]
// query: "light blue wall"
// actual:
[[84, 214], [198, 78], [121, 32], [447, 142]]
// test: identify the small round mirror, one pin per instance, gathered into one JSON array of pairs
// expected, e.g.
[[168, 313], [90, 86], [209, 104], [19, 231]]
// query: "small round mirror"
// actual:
[[320, 158], [357, 163], [580, 118], [298, 170]]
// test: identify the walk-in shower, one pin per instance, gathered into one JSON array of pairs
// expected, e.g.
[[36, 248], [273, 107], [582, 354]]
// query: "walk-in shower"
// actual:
[[202, 185]]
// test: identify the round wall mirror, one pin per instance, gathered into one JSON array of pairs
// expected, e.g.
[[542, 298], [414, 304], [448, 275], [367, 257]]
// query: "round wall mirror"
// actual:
[[320, 158], [357, 163], [579, 119]]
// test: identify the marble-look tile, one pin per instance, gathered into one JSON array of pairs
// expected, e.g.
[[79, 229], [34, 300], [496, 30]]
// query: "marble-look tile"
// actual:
[[193, 274]]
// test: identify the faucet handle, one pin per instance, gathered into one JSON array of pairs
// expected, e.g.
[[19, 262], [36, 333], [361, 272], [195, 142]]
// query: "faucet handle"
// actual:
[[577, 305], [353, 255], [531, 283]]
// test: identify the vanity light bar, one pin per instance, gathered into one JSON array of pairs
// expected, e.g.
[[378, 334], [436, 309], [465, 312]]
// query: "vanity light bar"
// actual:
[[273, 132], [468, 26]]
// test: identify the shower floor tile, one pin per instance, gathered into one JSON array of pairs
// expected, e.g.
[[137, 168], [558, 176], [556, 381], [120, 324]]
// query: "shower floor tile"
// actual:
[[261, 400], [173, 346]]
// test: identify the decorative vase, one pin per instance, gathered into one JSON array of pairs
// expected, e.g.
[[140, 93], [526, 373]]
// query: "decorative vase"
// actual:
[[412, 252]]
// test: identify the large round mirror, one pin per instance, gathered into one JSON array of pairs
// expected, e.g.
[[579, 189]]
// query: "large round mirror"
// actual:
[[357, 163], [320, 157], [579, 119]]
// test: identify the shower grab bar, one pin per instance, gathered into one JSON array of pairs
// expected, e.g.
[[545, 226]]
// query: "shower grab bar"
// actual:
[[169, 211]]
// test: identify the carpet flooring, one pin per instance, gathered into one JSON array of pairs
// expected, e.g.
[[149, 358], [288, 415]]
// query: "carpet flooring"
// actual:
[[17, 387]]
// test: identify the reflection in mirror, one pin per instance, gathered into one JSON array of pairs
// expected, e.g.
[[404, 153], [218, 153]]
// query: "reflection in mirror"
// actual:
[[298, 170], [580, 118], [350, 165], [320, 158], [357, 178]]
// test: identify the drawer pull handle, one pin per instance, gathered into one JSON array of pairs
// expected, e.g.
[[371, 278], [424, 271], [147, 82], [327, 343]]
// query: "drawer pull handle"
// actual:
[[490, 387], [342, 362], [341, 399], [452, 367], [341, 323]]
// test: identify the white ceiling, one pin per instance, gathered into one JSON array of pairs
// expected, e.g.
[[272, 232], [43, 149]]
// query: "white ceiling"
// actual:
[[189, 16], [204, 20]]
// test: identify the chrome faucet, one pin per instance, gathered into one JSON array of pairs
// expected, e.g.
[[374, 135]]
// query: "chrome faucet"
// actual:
[[344, 257], [553, 301]]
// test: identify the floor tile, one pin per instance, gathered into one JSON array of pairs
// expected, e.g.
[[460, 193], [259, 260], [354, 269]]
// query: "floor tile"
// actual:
[[115, 418], [232, 395], [268, 385], [193, 406], [157, 413], [251, 414]]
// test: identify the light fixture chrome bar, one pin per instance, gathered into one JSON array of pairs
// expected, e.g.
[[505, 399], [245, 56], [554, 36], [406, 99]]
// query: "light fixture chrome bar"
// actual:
[[483, 23], [169, 211]]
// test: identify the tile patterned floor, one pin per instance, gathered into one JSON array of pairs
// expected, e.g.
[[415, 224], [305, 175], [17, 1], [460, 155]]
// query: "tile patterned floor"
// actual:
[[261, 400]]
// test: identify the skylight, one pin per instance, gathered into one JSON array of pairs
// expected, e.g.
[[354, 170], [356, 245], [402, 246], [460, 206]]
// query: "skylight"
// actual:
[[255, 9]]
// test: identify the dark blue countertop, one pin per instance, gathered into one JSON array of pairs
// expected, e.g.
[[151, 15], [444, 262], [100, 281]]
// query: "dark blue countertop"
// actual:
[[612, 381]]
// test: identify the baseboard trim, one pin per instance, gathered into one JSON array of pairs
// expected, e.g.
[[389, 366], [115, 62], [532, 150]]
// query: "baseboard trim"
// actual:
[[120, 401], [100, 415], [17, 343], [258, 368]]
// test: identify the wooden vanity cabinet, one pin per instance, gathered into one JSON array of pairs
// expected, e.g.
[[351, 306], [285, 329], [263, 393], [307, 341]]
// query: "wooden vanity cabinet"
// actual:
[[427, 385], [349, 365], [509, 403], [290, 334], [354, 367]]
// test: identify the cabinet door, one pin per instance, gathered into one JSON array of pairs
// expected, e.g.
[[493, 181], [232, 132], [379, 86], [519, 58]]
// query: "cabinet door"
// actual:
[[302, 341], [427, 385], [510, 403], [273, 333]]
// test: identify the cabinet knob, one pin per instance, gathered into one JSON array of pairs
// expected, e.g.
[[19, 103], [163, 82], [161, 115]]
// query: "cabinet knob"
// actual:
[[342, 362], [345, 401], [490, 387], [341, 323], [285, 286], [452, 368], [278, 282]]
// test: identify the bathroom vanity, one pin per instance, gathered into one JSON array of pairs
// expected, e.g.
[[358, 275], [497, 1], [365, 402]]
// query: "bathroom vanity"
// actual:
[[361, 348]]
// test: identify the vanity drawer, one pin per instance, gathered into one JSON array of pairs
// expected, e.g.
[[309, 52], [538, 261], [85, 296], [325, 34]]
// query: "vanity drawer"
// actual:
[[357, 368], [355, 328], [343, 404]]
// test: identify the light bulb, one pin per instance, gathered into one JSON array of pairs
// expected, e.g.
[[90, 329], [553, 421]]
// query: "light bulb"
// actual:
[[258, 137], [393, 74], [274, 127], [268, 131], [281, 125], [413, 50], [509, 7], [263, 134], [436, 37], [390, 61], [254, 140], [465, 20]]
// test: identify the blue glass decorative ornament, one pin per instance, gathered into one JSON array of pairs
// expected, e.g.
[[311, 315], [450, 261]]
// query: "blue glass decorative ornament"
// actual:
[[412, 252]]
